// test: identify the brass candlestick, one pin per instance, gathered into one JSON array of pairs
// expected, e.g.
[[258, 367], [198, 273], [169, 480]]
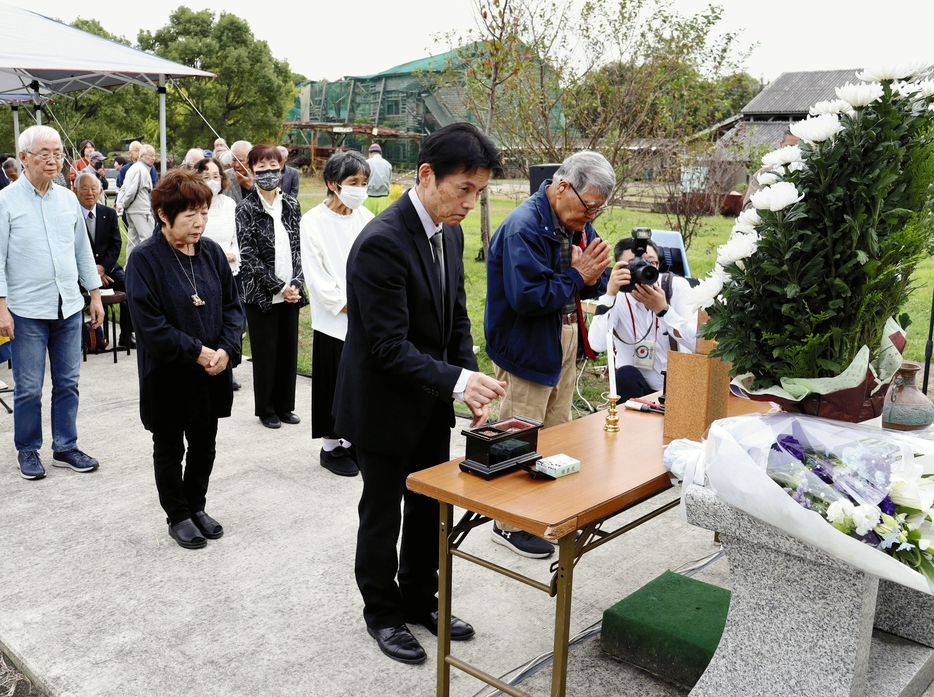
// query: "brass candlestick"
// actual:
[[612, 420]]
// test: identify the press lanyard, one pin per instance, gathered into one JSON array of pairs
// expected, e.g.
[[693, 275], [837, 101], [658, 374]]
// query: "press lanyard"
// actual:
[[632, 316]]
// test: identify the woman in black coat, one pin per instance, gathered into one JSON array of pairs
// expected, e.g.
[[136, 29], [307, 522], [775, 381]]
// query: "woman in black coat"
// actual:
[[187, 318], [271, 272]]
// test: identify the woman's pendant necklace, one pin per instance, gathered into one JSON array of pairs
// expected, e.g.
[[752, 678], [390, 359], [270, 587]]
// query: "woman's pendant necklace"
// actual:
[[195, 298]]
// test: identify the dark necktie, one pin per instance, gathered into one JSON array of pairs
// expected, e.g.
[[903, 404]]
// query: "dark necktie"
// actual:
[[91, 215], [439, 259]]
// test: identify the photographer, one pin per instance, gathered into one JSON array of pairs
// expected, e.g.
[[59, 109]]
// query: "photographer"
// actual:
[[647, 320]]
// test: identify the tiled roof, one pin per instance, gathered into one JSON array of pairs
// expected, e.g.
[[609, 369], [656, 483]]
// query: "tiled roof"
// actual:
[[795, 93]]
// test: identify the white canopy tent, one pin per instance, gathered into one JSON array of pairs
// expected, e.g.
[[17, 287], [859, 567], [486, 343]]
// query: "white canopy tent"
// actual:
[[41, 57]]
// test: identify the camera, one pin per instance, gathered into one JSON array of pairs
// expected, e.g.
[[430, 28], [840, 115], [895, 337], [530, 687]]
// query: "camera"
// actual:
[[641, 271]]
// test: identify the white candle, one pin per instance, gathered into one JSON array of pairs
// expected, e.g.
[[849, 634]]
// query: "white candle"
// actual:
[[611, 362]]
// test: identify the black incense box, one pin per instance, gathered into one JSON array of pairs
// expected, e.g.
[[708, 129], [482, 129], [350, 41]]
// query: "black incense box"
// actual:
[[502, 446]]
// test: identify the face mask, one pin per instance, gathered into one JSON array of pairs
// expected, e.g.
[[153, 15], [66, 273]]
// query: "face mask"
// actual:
[[269, 179], [352, 196], [214, 185]]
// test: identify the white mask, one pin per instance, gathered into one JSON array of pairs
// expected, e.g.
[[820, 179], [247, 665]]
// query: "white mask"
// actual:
[[214, 185], [352, 196]]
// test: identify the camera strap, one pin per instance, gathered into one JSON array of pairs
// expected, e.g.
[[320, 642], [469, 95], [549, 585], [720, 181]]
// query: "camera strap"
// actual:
[[632, 317]]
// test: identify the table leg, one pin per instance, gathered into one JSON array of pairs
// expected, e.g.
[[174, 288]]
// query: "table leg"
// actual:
[[445, 568], [565, 578]]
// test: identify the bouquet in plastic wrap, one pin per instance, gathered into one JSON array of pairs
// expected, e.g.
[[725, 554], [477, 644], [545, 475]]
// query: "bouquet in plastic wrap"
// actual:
[[861, 494]]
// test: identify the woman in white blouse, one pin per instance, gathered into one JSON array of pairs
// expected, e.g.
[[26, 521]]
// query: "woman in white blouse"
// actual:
[[222, 220], [327, 233]]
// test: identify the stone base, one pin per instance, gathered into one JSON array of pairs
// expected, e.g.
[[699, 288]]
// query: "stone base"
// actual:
[[801, 622], [898, 667]]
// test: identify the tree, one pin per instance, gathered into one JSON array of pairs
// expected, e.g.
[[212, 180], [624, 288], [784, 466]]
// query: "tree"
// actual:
[[251, 93], [606, 74], [482, 64]]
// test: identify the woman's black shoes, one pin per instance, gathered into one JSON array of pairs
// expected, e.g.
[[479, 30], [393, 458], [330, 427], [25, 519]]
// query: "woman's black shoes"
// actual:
[[209, 527], [186, 534]]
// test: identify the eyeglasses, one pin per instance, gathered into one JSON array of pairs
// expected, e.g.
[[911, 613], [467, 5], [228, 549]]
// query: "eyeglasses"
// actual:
[[589, 210], [45, 155]]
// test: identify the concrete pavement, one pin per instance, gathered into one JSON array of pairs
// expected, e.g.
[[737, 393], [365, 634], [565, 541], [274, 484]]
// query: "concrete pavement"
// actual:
[[97, 601]]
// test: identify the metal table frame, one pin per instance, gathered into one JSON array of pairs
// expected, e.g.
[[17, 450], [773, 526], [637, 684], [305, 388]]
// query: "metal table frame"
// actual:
[[570, 550]]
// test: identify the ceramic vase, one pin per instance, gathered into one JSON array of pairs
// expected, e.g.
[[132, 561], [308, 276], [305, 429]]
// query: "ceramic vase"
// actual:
[[906, 407]]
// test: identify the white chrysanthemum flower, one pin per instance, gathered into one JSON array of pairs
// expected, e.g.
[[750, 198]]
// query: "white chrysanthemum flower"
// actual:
[[796, 166], [865, 518], [893, 71], [925, 88], [704, 293], [860, 94], [750, 217], [782, 156], [832, 106], [767, 178], [739, 247], [817, 129], [776, 197], [840, 510]]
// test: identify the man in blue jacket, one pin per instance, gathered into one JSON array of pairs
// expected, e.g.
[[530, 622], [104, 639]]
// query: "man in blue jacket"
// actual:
[[543, 258]]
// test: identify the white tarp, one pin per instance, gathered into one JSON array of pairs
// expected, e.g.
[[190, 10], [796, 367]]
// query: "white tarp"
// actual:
[[62, 59], [65, 59]]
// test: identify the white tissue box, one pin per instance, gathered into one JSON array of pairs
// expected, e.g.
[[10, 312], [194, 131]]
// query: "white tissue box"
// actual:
[[558, 465]]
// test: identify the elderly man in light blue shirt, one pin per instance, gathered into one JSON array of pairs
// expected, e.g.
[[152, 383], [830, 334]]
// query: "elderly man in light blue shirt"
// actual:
[[44, 254]]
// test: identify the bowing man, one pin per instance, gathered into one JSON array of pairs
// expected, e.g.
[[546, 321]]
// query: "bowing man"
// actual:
[[409, 352]]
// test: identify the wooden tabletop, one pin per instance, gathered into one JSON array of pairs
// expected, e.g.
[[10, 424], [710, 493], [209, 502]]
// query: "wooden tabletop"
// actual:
[[617, 470]]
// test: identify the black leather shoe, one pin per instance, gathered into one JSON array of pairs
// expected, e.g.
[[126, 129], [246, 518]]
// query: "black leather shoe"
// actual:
[[399, 644], [270, 421], [460, 630], [187, 535], [290, 417], [209, 527]]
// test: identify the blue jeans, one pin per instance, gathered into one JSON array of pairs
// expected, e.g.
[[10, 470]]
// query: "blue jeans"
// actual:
[[62, 339]]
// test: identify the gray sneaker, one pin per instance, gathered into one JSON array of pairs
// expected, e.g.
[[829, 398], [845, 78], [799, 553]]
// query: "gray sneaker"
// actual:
[[523, 543], [30, 467]]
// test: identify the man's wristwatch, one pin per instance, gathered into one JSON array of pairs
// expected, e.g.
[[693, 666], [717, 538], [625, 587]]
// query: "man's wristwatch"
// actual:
[[663, 312]]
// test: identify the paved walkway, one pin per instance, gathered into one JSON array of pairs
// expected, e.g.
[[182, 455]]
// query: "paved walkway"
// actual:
[[97, 601]]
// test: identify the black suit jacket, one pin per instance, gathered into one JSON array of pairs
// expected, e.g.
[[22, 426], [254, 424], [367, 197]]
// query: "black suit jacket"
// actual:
[[289, 183], [404, 349], [107, 242]]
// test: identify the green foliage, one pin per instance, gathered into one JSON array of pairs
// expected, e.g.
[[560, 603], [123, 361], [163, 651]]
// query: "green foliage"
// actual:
[[251, 93], [831, 269]]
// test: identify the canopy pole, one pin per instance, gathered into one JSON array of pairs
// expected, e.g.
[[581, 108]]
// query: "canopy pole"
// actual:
[[37, 105], [162, 119], [16, 133]]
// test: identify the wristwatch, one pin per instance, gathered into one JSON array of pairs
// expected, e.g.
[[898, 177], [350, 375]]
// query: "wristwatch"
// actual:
[[663, 312]]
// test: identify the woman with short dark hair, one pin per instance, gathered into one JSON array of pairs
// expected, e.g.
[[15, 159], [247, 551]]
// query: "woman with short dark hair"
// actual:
[[328, 233], [187, 319], [271, 272], [85, 148]]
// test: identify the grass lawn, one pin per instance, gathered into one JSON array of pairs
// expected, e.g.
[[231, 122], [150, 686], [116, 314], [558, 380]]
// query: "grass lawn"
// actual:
[[612, 225]]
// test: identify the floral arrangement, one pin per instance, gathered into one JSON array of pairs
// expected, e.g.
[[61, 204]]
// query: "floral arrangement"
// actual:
[[876, 491], [812, 274]]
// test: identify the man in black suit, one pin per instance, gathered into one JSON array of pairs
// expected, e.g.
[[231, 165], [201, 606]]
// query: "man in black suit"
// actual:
[[289, 184], [407, 356], [106, 242]]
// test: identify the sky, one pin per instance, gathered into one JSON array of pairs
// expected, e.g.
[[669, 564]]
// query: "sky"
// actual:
[[319, 41]]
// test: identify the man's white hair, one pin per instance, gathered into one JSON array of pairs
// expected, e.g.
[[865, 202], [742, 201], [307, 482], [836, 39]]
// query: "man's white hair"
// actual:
[[86, 173], [147, 148], [28, 137], [284, 151]]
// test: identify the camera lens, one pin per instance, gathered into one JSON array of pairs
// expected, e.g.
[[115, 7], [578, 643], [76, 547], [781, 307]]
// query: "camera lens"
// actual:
[[648, 274]]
